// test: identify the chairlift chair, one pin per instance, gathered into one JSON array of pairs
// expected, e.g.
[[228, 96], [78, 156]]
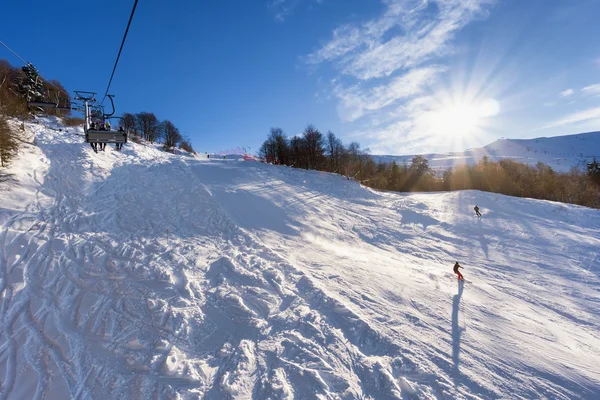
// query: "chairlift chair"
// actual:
[[97, 135]]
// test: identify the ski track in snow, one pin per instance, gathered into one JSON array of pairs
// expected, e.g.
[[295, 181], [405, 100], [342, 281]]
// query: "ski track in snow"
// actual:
[[142, 274]]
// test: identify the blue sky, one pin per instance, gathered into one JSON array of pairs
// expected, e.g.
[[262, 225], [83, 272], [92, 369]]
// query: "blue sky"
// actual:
[[398, 76]]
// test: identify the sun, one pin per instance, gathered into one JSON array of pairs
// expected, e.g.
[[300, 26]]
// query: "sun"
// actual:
[[463, 119]]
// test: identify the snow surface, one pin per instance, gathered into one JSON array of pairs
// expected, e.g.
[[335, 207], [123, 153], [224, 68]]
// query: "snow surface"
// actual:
[[141, 274], [560, 152]]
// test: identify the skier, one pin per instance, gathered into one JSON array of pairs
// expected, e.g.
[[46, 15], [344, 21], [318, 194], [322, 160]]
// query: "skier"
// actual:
[[477, 211], [457, 272], [119, 146]]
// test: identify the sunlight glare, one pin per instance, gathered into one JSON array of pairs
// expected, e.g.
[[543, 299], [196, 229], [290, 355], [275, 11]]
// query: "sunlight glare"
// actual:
[[464, 118]]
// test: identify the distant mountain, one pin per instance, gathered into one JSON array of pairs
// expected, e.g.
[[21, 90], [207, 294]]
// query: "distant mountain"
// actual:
[[560, 152]]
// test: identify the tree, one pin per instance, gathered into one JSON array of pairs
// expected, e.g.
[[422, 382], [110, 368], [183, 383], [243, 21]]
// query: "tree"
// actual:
[[315, 154], [281, 146], [298, 152], [186, 144], [148, 125], [420, 165], [11, 103], [276, 148], [420, 175], [593, 171], [171, 134], [335, 150], [354, 161], [267, 151], [128, 123], [31, 85], [394, 177]]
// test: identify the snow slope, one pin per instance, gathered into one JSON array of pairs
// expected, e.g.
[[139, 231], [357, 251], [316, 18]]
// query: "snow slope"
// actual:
[[144, 274], [560, 152]]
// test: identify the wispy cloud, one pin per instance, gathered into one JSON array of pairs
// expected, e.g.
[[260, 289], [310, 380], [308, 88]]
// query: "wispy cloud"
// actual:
[[356, 101], [592, 89], [393, 60], [363, 51], [567, 93], [284, 8], [577, 117]]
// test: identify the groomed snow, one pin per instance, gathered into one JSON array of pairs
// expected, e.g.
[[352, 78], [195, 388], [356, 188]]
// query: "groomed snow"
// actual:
[[141, 274]]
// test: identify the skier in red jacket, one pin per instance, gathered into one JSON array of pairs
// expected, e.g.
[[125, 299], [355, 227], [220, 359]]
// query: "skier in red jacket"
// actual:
[[457, 272]]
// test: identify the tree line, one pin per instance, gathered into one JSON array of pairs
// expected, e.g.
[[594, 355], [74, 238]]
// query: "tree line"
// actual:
[[313, 150], [147, 126]]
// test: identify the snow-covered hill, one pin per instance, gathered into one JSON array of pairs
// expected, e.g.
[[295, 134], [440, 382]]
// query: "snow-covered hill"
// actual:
[[143, 274], [560, 152]]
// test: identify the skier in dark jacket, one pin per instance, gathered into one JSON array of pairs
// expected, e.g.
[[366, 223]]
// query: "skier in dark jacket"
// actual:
[[457, 272], [477, 210]]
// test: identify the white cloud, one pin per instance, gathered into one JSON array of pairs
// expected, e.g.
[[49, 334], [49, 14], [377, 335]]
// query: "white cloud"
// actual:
[[389, 65], [366, 52], [567, 93], [592, 89], [577, 117], [356, 101]]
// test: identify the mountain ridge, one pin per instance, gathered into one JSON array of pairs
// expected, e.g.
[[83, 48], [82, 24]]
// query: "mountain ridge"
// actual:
[[560, 152]]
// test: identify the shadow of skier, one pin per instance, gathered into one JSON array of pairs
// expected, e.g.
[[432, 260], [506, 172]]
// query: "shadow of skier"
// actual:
[[482, 239], [456, 330]]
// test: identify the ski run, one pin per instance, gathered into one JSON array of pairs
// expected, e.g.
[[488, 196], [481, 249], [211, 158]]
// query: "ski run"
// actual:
[[146, 275]]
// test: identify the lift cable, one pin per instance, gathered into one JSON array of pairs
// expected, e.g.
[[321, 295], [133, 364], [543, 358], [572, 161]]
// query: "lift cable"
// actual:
[[12, 51], [28, 63], [119, 55]]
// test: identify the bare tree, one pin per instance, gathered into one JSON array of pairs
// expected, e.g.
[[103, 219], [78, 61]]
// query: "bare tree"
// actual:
[[148, 125], [298, 152], [54, 92], [186, 144], [267, 151], [335, 150], [280, 146], [129, 124], [11, 103], [170, 133], [314, 147]]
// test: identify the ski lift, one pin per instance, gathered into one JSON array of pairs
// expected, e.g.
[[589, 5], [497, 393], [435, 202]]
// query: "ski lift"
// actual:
[[94, 124]]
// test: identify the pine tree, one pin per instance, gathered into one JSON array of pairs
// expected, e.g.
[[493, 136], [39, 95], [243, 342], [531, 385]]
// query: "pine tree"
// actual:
[[31, 84], [593, 171]]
